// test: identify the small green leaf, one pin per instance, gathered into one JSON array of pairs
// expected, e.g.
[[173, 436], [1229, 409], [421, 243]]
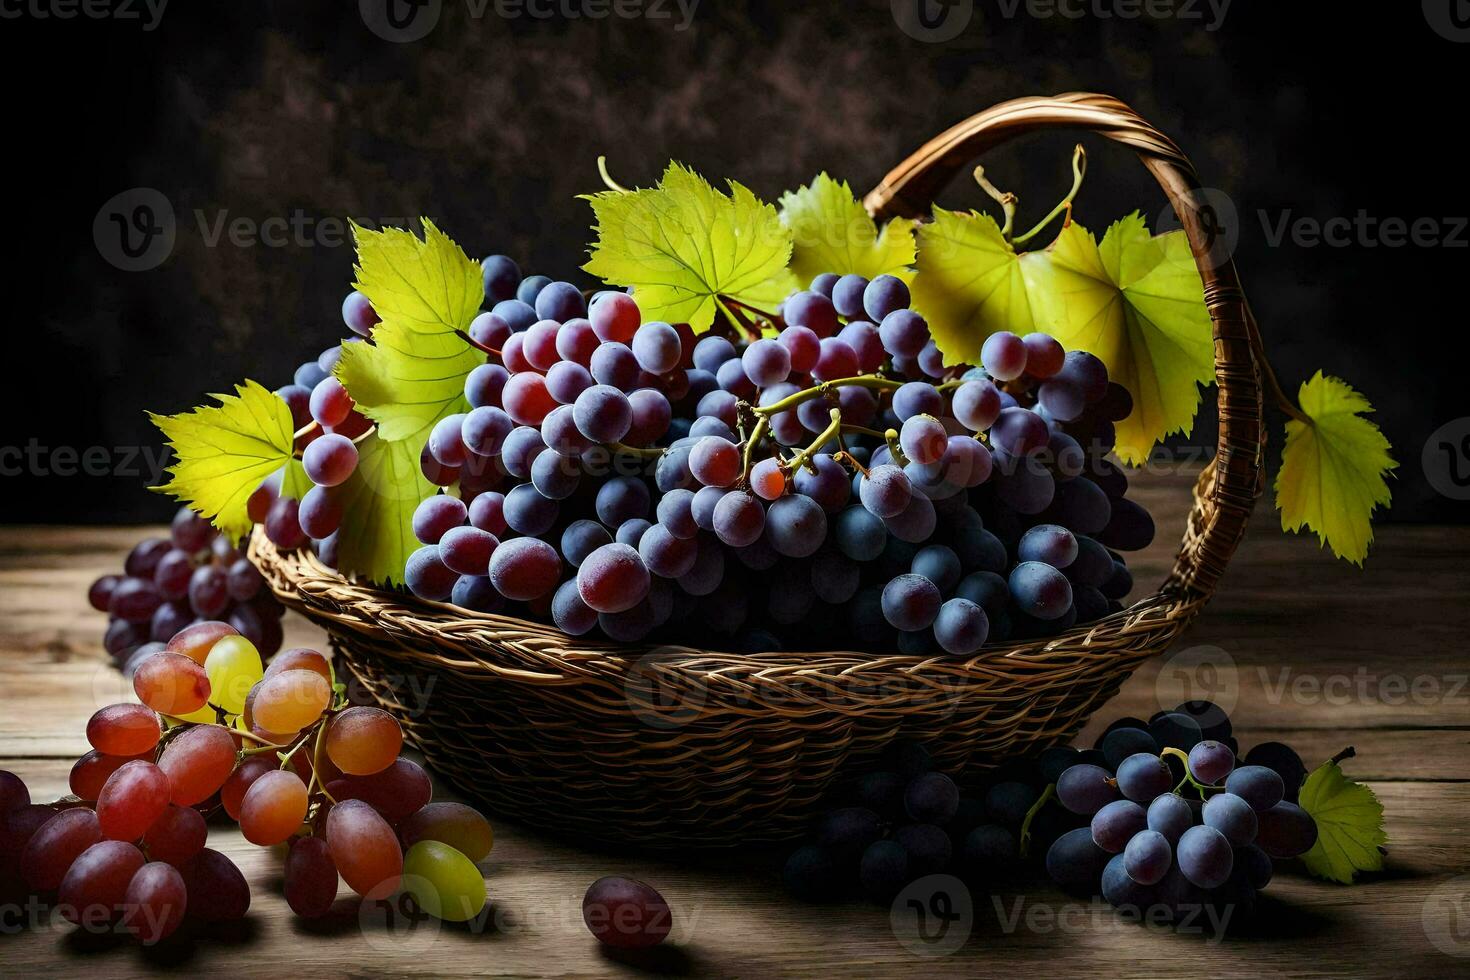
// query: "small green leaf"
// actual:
[[1349, 819], [378, 502], [412, 375], [1332, 471], [970, 283], [683, 244], [1138, 303], [832, 232], [225, 452]]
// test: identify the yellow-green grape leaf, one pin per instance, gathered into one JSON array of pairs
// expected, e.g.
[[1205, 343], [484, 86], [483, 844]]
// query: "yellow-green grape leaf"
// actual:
[[412, 375], [1349, 819], [225, 452], [832, 232], [294, 481], [378, 502], [970, 283], [1332, 471], [1138, 303], [682, 244]]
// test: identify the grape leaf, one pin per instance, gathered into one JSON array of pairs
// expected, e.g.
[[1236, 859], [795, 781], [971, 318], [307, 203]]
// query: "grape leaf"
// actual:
[[683, 244], [378, 502], [225, 451], [832, 232], [1349, 825], [970, 283], [1332, 471], [412, 375], [1138, 303]]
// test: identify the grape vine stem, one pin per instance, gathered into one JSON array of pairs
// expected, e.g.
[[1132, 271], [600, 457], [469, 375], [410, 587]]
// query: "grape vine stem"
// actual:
[[1024, 845], [873, 382], [1079, 171]]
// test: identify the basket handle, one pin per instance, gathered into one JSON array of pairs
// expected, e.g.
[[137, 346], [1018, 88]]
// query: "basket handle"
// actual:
[[1230, 485]]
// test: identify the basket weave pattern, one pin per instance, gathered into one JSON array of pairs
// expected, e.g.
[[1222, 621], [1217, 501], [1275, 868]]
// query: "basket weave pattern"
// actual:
[[678, 747]]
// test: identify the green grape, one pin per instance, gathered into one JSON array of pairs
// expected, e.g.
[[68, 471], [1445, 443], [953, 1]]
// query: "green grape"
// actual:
[[444, 882], [233, 667]]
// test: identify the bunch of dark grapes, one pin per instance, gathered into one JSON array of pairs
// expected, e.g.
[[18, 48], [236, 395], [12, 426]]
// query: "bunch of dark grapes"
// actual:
[[833, 478], [1176, 821], [276, 749], [1119, 819], [194, 574]]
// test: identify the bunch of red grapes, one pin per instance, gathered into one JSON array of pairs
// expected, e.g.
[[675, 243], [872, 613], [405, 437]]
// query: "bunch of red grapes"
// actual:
[[275, 748]]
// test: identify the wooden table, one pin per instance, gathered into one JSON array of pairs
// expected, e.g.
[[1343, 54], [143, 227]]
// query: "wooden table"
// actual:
[[1323, 657]]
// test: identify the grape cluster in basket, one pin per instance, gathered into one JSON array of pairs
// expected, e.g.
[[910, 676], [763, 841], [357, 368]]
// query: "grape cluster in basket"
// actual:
[[194, 574], [276, 749], [1160, 816], [830, 478]]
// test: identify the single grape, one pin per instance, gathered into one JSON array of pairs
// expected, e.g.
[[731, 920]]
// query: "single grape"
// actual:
[[1085, 789], [961, 627], [364, 848], [796, 526], [1148, 856], [290, 700], [1049, 544], [1175, 730], [613, 579], [767, 362], [216, 890], [1040, 590], [615, 366], [197, 763], [461, 827], [1282, 760], [363, 740], [310, 880], [860, 534], [1086, 372], [528, 511], [171, 684], [884, 295], [273, 808], [615, 317], [1204, 857], [884, 869], [1044, 356], [625, 913], [1004, 356], [885, 491], [483, 431], [767, 480], [714, 462], [95, 886], [1260, 787], [443, 882], [1114, 825], [358, 314], [812, 310], [665, 555], [1231, 816], [1074, 861], [1210, 762], [1286, 830], [1171, 816], [603, 413], [124, 730], [54, 845]]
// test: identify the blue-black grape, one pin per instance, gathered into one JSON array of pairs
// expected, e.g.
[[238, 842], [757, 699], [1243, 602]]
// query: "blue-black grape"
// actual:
[[1284, 761], [928, 848], [1260, 787], [1120, 743], [1232, 817], [1115, 824], [1075, 862], [1171, 816], [1147, 857], [1205, 857], [931, 798], [1286, 830], [1085, 789], [1143, 776]]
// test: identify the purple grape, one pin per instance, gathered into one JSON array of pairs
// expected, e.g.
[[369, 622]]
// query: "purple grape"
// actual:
[[1004, 356], [884, 295]]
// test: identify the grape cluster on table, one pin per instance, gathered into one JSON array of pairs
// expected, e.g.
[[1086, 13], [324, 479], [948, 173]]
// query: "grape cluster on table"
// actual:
[[1119, 819], [275, 748], [193, 575], [833, 479]]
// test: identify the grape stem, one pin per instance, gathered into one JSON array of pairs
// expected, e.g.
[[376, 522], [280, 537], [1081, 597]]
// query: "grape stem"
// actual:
[[483, 348], [756, 435], [1005, 199], [612, 185], [894, 449], [1079, 171], [1188, 776], [803, 458], [873, 382], [316, 762], [650, 452], [1049, 794]]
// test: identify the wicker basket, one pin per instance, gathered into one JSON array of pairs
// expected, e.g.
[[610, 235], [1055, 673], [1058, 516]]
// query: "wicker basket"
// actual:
[[681, 747]]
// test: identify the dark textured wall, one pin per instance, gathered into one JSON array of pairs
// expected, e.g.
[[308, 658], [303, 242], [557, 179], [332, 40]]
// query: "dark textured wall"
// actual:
[[299, 112]]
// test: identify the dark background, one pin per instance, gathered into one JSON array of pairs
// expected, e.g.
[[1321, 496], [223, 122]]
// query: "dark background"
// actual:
[[491, 125]]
